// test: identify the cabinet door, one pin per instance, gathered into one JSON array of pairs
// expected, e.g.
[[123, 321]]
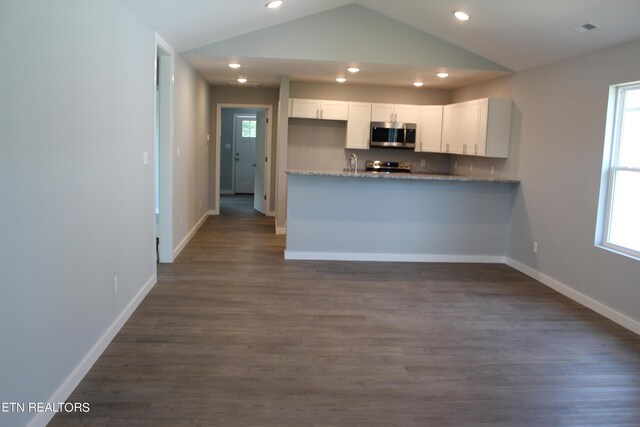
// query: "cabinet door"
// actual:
[[406, 113], [334, 110], [483, 121], [382, 112], [469, 127], [305, 108], [359, 125], [448, 128], [429, 134]]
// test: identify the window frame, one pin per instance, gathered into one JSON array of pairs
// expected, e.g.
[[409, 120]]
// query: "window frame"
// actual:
[[612, 166]]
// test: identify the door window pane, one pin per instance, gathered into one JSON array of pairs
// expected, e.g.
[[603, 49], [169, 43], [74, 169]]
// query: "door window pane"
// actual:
[[248, 128]]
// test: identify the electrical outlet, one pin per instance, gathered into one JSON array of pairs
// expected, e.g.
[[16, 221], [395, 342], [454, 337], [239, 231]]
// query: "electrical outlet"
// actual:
[[181, 220], [208, 137], [423, 162], [178, 152], [115, 285], [535, 247], [493, 170], [145, 158]]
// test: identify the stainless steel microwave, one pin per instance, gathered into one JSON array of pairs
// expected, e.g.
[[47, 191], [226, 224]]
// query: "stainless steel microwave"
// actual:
[[393, 135]]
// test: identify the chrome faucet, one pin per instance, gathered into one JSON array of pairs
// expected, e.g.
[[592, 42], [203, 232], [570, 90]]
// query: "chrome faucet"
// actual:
[[353, 162]]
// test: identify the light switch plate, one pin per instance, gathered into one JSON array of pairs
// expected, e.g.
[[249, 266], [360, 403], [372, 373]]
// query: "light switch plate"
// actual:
[[145, 158]]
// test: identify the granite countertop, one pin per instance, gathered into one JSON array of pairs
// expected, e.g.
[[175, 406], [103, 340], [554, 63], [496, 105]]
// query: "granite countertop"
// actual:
[[404, 176]]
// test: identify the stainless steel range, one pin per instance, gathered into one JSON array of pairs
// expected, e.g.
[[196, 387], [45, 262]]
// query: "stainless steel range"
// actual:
[[381, 166]]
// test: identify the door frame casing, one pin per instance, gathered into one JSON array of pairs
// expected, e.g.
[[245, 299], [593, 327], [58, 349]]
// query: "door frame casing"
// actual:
[[164, 134], [233, 146], [267, 150]]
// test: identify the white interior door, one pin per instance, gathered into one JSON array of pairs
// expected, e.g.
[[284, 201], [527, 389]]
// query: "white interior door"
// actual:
[[245, 154], [259, 176]]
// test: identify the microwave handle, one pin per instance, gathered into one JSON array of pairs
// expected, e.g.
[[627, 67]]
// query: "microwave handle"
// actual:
[[404, 134]]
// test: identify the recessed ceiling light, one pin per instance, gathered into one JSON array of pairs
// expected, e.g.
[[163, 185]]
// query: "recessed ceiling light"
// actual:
[[353, 69], [418, 84], [274, 4], [442, 74], [462, 16], [242, 80], [234, 65], [341, 80]]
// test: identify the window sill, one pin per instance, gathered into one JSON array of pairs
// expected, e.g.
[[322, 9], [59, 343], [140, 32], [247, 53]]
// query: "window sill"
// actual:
[[620, 251]]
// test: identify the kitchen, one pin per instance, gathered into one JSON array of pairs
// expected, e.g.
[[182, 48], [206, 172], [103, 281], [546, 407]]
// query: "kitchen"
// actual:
[[464, 213]]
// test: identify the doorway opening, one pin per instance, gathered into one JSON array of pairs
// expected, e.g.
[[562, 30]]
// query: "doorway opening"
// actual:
[[163, 143], [243, 147]]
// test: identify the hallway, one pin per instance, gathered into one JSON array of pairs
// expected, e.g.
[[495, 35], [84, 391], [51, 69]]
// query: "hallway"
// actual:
[[232, 335]]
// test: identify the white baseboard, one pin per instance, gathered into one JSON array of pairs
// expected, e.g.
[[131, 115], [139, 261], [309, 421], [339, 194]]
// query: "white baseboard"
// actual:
[[352, 256], [271, 213], [213, 212], [189, 236], [608, 312], [281, 230], [66, 388]]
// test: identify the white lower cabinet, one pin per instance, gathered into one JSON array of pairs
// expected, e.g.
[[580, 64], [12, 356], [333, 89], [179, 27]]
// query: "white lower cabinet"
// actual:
[[359, 125], [429, 133]]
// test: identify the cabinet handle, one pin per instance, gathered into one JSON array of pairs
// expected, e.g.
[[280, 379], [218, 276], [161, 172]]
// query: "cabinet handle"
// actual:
[[322, 114]]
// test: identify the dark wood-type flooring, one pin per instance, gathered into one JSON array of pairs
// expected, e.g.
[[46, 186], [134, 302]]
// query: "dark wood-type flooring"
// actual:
[[232, 335]]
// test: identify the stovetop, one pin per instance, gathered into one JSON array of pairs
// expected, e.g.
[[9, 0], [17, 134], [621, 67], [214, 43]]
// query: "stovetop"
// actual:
[[382, 166]]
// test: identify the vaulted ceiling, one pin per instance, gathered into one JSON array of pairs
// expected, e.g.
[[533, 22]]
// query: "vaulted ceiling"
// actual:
[[501, 35]]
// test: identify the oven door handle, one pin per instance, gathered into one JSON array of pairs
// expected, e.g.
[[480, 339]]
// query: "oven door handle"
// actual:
[[404, 135]]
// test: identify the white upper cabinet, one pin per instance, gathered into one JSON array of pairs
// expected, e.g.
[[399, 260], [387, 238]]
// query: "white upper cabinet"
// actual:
[[359, 125], [429, 133], [407, 113], [494, 127], [319, 109], [394, 113], [477, 128], [382, 112]]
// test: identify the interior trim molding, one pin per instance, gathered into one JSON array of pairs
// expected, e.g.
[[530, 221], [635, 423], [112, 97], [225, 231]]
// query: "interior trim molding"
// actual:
[[353, 256], [189, 236], [281, 231], [63, 392], [566, 290]]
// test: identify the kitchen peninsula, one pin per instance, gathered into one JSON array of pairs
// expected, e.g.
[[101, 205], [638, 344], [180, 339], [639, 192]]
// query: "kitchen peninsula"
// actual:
[[397, 217]]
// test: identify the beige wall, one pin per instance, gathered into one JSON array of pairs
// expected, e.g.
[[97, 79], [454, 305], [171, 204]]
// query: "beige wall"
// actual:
[[365, 93], [249, 96], [557, 148], [191, 169]]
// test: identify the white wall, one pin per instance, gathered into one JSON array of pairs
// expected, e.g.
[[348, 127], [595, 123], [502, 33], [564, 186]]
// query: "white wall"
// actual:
[[191, 169], [76, 114], [557, 151]]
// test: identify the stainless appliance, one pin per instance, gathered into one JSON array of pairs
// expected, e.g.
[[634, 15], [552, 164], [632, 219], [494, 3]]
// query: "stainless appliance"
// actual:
[[393, 135], [381, 166]]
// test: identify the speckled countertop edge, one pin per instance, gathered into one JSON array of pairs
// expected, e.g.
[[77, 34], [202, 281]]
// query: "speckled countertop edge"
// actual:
[[402, 176]]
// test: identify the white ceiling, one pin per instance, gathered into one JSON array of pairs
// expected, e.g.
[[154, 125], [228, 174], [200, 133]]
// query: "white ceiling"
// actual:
[[517, 34]]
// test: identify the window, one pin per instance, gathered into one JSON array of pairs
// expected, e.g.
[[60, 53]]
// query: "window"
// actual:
[[621, 231], [248, 128]]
